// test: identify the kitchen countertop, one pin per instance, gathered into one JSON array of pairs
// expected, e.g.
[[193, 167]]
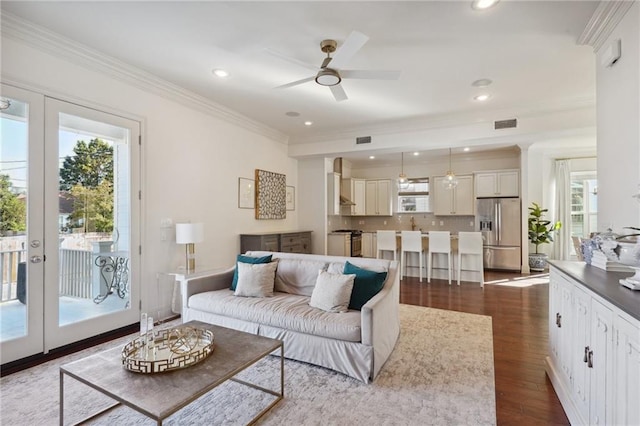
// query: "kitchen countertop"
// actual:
[[277, 232], [604, 284]]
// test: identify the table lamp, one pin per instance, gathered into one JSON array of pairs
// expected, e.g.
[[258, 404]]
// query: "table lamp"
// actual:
[[189, 234]]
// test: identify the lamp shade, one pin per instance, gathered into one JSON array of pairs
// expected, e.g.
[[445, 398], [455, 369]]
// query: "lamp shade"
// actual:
[[189, 233]]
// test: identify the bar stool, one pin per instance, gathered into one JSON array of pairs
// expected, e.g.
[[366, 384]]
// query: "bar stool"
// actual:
[[386, 241], [439, 242], [411, 242], [470, 243]]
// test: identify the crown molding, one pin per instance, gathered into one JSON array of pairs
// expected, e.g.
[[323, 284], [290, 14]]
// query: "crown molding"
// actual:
[[426, 123], [604, 20], [48, 41]]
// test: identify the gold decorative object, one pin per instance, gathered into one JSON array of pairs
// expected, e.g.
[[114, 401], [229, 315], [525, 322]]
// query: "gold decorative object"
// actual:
[[170, 349]]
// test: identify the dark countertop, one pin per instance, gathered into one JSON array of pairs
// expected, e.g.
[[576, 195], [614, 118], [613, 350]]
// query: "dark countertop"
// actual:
[[604, 284]]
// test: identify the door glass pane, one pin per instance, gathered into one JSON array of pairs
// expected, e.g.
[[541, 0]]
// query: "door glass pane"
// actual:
[[13, 218], [93, 219]]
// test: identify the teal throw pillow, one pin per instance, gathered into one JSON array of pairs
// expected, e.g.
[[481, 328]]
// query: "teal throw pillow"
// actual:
[[366, 285], [247, 259]]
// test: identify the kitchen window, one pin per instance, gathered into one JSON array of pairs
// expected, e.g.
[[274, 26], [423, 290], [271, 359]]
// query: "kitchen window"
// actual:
[[414, 198]]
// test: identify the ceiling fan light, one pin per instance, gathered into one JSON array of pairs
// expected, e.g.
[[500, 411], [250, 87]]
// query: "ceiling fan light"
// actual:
[[328, 77]]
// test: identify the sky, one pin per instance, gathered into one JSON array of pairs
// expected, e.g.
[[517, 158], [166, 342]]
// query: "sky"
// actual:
[[13, 149]]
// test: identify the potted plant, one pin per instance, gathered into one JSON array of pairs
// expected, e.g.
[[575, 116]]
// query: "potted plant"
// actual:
[[540, 232]]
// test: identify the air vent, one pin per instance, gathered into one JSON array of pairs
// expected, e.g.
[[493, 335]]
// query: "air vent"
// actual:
[[505, 124], [363, 139]]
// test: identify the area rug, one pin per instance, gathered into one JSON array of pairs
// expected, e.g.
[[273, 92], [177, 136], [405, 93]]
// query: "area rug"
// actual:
[[440, 373]]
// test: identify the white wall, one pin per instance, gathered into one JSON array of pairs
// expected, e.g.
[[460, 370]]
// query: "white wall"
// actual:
[[618, 112], [312, 196], [191, 162]]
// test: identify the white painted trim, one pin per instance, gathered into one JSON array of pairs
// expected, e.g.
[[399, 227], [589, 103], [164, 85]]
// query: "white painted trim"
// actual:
[[79, 54], [602, 23]]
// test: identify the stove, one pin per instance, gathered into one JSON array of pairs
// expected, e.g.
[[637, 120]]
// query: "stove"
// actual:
[[356, 241]]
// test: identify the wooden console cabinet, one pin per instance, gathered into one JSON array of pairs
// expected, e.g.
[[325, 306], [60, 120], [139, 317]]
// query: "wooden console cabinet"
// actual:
[[288, 242]]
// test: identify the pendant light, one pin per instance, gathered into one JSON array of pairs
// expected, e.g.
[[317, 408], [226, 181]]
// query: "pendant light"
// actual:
[[450, 180], [403, 182]]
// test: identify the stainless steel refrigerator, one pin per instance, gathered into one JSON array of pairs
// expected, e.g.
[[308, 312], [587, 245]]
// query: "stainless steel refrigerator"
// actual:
[[499, 221]]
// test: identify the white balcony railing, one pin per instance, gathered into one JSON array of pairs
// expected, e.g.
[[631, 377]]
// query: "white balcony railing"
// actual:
[[76, 273]]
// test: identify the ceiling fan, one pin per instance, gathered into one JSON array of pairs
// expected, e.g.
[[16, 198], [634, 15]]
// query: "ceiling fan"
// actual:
[[331, 76]]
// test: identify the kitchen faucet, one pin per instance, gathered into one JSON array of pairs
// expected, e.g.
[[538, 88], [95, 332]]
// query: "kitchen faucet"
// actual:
[[413, 224]]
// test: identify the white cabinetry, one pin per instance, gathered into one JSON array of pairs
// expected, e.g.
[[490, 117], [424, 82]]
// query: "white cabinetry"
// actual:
[[626, 371], [458, 201], [594, 355], [355, 190], [333, 194], [378, 198], [505, 183], [339, 245], [369, 246]]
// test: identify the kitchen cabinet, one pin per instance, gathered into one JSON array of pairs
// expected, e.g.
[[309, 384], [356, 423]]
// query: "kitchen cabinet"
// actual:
[[333, 194], [626, 410], [369, 246], [355, 190], [378, 197], [594, 346], [503, 183], [458, 201], [339, 244], [288, 242]]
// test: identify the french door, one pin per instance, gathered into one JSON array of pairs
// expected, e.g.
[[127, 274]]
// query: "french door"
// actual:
[[77, 248]]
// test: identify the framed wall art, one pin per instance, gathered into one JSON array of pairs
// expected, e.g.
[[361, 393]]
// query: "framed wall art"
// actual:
[[291, 198], [271, 195], [246, 193]]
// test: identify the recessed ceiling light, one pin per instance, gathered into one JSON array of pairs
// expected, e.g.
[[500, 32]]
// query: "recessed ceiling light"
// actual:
[[292, 114], [416, 153], [483, 4], [481, 98], [308, 123], [372, 157], [466, 149], [483, 82], [220, 73]]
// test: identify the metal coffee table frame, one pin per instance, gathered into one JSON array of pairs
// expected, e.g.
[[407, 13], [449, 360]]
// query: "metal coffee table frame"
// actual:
[[235, 351]]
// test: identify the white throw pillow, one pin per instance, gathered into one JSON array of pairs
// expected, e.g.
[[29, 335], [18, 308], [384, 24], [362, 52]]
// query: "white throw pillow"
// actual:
[[332, 292], [256, 280]]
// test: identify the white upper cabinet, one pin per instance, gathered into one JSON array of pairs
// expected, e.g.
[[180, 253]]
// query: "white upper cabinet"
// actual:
[[378, 198], [333, 194], [458, 201], [355, 190], [504, 183]]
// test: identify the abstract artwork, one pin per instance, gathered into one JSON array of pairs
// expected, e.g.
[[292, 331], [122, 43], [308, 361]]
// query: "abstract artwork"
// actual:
[[271, 195]]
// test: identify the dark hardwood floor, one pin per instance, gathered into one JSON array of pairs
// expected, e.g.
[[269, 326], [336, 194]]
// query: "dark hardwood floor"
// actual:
[[518, 306]]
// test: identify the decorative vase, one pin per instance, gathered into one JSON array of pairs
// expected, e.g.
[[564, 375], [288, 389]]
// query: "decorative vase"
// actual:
[[537, 262]]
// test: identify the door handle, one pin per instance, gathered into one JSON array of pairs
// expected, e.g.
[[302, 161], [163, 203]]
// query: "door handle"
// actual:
[[35, 259]]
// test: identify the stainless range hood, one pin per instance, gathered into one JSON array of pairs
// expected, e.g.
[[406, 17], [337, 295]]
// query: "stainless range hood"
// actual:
[[337, 168]]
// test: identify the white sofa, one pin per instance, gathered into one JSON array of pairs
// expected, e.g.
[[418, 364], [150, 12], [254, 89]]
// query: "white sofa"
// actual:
[[356, 343]]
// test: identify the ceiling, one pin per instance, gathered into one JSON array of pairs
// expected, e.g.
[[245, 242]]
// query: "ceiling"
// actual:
[[527, 48]]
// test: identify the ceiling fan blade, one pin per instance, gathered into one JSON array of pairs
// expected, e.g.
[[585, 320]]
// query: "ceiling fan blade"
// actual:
[[338, 93], [297, 82], [349, 48], [290, 59], [371, 74]]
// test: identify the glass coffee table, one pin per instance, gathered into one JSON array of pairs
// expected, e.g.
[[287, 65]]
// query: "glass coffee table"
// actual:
[[162, 394]]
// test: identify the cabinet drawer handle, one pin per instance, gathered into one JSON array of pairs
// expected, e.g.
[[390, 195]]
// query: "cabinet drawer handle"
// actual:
[[586, 354], [559, 320], [590, 361]]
